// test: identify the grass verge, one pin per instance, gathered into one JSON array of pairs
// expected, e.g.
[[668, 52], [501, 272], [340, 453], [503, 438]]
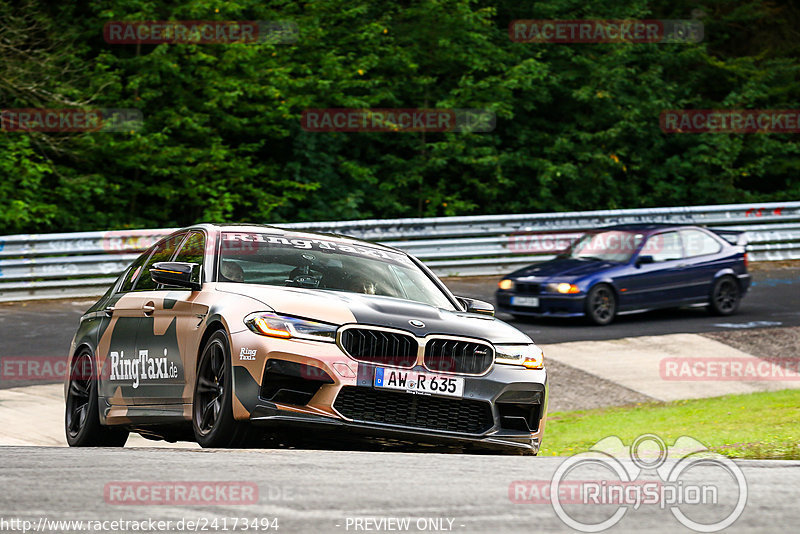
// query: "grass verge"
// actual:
[[756, 425]]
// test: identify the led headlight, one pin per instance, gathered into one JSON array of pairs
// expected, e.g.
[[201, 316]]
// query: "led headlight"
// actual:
[[529, 356], [563, 288], [282, 326]]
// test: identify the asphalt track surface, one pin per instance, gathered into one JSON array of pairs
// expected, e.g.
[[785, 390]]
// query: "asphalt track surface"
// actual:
[[326, 491], [46, 328], [371, 491]]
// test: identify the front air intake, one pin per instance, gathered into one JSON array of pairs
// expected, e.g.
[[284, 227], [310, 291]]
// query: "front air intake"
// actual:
[[380, 346], [292, 383]]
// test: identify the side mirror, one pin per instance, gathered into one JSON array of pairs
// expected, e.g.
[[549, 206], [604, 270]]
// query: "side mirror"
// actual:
[[477, 306], [176, 273], [641, 260]]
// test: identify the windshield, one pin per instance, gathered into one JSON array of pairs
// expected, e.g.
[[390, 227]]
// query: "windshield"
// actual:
[[300, 261], [612, 245]]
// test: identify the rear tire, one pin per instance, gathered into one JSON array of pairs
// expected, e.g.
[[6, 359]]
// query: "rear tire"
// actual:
[[82, 415], [212, 410], [725, 296], [601, 305]]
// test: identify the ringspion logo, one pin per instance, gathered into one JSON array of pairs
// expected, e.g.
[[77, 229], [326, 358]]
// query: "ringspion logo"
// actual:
[[592, 491]]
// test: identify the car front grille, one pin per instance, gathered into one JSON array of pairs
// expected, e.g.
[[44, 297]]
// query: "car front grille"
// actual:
[[457, 356], [380, 347], [528, 288], [363, 404]]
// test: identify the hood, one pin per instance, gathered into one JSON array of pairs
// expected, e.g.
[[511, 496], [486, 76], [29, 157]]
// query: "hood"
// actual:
[[564, 268], [342, 308]]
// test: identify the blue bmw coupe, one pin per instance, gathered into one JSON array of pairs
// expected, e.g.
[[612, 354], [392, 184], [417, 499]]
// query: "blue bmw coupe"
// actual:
[[632, 268]]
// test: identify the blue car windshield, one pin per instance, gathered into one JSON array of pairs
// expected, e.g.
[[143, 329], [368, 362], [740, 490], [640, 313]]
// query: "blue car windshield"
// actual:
[[611, 245]]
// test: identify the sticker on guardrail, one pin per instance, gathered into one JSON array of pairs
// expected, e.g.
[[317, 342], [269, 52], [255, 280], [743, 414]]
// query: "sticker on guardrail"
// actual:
[[758, 212]]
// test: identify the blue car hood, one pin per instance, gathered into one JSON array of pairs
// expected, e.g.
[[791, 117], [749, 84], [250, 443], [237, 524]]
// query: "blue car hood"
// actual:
[[565, 267]]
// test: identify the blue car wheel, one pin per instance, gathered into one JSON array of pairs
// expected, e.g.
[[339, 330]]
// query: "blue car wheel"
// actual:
[[601, 304]]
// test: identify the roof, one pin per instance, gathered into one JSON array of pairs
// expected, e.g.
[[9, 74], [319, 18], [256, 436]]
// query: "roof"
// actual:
[[300, 234]]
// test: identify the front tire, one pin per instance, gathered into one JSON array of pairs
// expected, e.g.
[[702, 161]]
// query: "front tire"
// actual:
[[212, 410], [82, 416], [601, 305], [725, 296]]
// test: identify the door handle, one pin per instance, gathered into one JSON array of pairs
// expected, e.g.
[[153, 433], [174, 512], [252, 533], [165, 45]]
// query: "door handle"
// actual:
[[109, 311], [149, 308]]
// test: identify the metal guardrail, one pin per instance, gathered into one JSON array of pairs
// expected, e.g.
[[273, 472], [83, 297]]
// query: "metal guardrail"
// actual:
[[84, 264]]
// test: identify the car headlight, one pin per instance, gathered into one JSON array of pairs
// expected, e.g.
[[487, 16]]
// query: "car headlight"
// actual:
[[505, 284], [529, 356], [285, 327], [563, 288]]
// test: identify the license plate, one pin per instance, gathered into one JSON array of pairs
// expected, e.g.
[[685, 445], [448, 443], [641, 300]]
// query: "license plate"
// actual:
[[415, 382], [532, 302]]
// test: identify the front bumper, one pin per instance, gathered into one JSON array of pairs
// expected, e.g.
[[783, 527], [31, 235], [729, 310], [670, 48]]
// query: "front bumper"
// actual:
[[503, 409], [744, 282], [550, 305]]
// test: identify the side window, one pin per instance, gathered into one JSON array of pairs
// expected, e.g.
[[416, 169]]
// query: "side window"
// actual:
[[163, 251], [133, 273], [664, 247], [193, 251], [699, 243]]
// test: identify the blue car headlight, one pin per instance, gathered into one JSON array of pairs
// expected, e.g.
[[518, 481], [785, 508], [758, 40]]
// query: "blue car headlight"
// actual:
[[563, 287]]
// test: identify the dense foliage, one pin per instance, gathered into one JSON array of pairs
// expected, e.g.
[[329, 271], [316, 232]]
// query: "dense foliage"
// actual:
[[577, 125]]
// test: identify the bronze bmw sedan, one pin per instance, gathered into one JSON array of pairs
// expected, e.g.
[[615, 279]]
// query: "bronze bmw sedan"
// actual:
[[227, 334]]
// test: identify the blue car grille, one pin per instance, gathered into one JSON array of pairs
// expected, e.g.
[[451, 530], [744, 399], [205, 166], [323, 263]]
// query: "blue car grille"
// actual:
[[528, 288]]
